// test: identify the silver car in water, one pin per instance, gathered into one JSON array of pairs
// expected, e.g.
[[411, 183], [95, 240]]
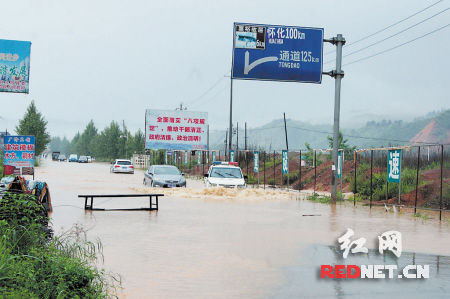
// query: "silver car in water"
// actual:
[[164, 176]]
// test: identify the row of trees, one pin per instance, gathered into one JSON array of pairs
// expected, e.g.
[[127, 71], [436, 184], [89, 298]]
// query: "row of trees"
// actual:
[[111, 143]]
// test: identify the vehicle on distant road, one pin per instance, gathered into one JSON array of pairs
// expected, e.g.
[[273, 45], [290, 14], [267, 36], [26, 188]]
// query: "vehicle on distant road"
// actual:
[[62, 158], [73, 158], [55, 156], [83, 159], [225, 174], [89, 159], [122, 166], [164, 176]]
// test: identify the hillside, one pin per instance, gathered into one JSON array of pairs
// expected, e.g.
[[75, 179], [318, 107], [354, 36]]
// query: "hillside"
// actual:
[[432, 128]]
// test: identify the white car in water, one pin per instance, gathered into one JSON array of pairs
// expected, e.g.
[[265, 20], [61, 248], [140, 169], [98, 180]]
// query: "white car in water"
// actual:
[[122, 166], [225, 174]]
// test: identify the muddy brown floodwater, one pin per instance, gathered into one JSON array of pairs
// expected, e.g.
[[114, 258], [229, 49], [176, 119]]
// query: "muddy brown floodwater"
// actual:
[[236, 243]]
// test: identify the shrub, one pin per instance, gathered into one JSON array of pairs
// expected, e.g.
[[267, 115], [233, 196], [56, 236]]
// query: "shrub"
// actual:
[[32, 265]]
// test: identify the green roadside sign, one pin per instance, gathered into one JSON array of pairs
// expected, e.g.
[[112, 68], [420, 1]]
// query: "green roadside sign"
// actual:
[[232, 156], [256, 162], [339, 168], [285, 162], [394, 165]]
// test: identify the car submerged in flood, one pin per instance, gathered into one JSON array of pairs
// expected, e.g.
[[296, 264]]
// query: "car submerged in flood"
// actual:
[[225, 174], [166, 176]]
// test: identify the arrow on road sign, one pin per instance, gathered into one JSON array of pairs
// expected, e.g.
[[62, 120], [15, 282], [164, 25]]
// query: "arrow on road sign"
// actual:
[[248, 67]]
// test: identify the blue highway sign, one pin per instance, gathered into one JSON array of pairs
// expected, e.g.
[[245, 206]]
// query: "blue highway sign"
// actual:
[[278, 53]]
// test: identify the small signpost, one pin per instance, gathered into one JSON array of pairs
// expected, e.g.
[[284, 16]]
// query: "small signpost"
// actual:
[[256, 163], [285, 162], [185, 158], [231, 155], [213, 157], [19, 155], [199, 157], [394, 169], [339, 169]]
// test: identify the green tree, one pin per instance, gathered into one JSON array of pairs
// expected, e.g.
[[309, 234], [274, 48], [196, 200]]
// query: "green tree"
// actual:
[[33, 123], [342, 144], [84, 143]]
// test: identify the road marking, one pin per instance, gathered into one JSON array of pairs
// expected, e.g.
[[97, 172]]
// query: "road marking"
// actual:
[[248, 67]]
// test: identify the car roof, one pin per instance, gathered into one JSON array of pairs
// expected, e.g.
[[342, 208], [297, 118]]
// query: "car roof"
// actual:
[[117, 160], [225, 166], [164, 166]]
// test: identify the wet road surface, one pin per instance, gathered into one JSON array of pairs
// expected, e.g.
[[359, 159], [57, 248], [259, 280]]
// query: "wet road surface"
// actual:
[[232, 243]]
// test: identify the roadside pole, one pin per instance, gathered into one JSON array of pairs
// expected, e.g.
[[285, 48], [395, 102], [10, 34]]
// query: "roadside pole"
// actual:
[[400, 183], [226, 144], [230, 136], [264, 170], [339, 41], [237, 143], [417, 178]]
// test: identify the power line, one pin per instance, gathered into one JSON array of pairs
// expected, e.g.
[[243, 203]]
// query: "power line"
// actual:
[[395, 34], [398, 46], [387, 27], [208, 90], [212, 98]]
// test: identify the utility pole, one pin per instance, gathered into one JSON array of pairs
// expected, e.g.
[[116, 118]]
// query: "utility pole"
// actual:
[[338, 74], [226, 143], [245, 136], [231, 112], [207, 144], [181, 107], [237, 141]]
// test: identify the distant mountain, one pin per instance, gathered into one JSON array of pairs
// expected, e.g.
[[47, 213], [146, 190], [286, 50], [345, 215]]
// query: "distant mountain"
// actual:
[[433, 128], [437, 131]]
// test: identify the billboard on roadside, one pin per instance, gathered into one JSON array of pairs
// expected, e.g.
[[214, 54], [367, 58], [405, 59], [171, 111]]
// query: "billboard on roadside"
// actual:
[[19, 154], [14, 66], [176, 129]]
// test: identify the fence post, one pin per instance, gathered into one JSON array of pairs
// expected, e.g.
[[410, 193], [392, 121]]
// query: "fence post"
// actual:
[[274, 182], [371, 174], [246, 160], [355, 154], [315, 171], [417, 178], [387, 181], [440, 192], [264, 170], [300, 171]]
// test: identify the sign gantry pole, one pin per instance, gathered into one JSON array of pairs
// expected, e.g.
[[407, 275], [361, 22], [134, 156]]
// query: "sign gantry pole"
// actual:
[[230, 136], [338, 74]]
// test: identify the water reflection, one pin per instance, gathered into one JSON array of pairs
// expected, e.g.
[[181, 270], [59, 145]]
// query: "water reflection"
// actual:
[[303, 279]]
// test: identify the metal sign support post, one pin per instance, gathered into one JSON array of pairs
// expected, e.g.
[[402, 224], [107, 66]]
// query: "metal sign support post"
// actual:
[[338, 74]]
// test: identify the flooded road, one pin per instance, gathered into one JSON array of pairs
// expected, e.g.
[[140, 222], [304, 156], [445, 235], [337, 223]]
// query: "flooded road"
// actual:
[[234, 243]]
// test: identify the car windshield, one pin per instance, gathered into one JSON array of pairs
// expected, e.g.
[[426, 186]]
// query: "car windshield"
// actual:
[[124, 162], [225, 172], [167, 170]]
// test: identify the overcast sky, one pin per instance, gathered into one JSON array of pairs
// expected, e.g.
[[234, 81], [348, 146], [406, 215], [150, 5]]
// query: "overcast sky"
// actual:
[[111, 60]]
